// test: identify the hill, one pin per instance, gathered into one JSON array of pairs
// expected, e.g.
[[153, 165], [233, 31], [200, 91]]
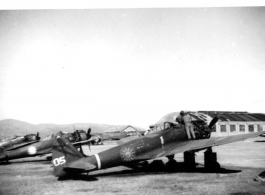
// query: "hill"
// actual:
[[11, 127]]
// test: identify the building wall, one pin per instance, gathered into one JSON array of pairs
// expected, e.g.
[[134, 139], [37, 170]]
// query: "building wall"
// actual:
[[236, 127]]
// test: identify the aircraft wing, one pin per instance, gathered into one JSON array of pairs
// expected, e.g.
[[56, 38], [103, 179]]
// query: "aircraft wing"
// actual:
[[85, 141], [81, 142], [197, 145], [22, 145]]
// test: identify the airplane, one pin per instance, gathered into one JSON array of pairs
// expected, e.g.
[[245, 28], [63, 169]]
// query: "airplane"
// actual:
[[116, 135], [104, 136], [78, 138], [15, 142], [171, 139]]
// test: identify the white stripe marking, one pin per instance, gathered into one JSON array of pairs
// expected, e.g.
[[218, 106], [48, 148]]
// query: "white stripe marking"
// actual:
[[98, 161], [162, 140]]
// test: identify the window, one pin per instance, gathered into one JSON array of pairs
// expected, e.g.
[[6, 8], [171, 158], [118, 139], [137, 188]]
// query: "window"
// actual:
[[159, 127], [251, 128], [223, 128], [242, 128], [260, 127], [232, 128]]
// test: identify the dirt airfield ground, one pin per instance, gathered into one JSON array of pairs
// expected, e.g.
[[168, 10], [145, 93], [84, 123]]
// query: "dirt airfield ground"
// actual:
[[241, 162]]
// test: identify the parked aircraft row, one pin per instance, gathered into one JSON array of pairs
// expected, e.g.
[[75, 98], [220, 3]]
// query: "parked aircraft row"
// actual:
[[169, 139], [37, 147], [15, 142]]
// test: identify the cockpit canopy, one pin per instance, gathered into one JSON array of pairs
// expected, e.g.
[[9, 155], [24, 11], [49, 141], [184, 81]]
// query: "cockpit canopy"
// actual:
[[32, 137], [165, 125]]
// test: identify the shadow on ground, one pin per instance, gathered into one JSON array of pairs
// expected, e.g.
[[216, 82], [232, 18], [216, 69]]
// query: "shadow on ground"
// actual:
[[42, 161], [260, 141], [181, 168], [83, 177]]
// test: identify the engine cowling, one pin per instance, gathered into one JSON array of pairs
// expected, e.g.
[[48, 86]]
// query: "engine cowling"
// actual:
[[82, 136]]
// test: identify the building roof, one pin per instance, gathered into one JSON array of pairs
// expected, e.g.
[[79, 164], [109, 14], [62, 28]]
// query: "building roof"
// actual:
[[128, 126], [223, 116], [236, 116], [125, 127]]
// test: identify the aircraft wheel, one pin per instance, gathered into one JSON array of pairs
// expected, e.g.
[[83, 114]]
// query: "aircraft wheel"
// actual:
[[172, 166], [49, 158], [170, 157], [141, 165], [156, 166]]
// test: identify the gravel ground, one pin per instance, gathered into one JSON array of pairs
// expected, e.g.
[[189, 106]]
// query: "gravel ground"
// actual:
[[241, 162]]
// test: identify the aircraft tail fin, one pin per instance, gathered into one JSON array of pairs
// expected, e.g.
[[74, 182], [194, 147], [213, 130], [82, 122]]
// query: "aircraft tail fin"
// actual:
[[63, 153]]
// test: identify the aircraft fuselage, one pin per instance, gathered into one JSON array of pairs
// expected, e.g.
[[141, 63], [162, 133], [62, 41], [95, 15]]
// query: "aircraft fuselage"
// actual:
[[138, 149], [31, 150]]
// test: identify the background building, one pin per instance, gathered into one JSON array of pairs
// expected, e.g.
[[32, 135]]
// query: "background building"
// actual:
[[123, 132], [229, 123]]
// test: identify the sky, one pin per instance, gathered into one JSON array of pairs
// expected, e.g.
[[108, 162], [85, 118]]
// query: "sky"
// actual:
[[130, 66]]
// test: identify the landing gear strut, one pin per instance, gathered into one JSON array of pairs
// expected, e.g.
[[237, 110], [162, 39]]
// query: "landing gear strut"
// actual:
[[210, 160], [171, 165], [189, 159]]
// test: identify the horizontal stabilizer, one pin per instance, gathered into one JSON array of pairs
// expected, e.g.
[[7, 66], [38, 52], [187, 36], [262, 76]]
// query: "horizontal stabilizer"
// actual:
[[80, 164], [85, 141]]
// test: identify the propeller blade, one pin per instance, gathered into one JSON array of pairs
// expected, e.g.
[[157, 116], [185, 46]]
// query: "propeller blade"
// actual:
[[37, 136], [88, 131], [89, 146], [212, 123]]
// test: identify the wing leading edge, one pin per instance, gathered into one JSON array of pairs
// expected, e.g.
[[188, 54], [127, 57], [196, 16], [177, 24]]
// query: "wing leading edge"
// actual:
[[22, 145], [198, 145]]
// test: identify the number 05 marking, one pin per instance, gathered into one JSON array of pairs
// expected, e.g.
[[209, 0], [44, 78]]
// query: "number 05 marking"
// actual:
[[59, 161]]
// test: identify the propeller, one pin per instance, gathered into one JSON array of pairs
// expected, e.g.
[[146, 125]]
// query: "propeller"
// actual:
[[88, 133], [88, 137], [38, 136], [81, 136], [213, 121]]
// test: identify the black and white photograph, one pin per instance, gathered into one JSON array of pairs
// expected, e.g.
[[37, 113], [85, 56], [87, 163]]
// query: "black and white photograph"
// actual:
[[132, 99]]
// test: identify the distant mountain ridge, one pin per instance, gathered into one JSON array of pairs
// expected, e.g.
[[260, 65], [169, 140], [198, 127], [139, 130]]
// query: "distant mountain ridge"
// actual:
[[11, 127]]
